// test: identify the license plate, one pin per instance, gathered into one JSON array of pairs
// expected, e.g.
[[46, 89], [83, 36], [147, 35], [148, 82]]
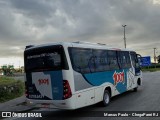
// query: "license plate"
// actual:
[[45, 105]]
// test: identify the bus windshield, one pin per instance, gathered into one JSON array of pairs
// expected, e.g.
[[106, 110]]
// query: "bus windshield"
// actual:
[[45, 58]]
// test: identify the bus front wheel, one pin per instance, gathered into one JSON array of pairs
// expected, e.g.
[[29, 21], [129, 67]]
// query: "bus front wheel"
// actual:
[[135, 89], [106, 98]]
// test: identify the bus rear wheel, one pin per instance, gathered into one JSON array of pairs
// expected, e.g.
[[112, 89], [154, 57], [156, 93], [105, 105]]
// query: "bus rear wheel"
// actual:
[[106, 98]]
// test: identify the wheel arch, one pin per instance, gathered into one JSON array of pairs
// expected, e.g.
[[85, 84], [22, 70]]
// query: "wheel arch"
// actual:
[[109, 90]]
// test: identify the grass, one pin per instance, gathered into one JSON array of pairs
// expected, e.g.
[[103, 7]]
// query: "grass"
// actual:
[[10, 88], [6, 80], [150, 69]]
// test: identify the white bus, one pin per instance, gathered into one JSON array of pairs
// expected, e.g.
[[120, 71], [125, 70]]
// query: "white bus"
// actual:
[[71, 75]]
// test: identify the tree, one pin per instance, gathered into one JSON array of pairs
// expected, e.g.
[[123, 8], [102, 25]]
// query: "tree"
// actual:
[[158, 58], [8, 70]]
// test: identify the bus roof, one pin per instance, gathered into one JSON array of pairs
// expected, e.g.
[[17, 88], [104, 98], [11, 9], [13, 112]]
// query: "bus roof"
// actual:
[[80, 44]]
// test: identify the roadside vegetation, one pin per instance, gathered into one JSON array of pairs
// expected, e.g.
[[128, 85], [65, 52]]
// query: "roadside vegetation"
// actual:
[[10, 88], [152, 68]]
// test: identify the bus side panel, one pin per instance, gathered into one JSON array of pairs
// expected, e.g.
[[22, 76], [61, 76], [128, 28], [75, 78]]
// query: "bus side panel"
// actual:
[[98, 94], [85, 98], [131, 79], [84, 92], [118, 78], [89, 87], [80, 83]]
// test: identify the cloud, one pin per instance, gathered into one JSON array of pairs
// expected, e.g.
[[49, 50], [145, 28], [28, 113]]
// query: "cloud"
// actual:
[[25, 22]]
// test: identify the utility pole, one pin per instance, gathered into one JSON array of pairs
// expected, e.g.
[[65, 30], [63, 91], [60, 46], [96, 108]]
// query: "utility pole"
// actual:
[[124, 35], [155, 56]]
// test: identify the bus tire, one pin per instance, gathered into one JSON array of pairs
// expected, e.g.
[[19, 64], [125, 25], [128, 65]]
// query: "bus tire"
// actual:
[[135, 89], [106, 98]]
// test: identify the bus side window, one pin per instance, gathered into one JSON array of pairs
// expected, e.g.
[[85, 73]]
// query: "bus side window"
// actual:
[[82, 60], [124, 59], [112, 59], [101, 60], [133, 58]]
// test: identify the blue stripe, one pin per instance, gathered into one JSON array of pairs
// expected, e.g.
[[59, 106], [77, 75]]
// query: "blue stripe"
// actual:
[[57, 84], [99, 78]]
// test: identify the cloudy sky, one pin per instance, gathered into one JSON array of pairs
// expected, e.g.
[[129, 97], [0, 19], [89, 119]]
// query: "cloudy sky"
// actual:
[[25, 22]]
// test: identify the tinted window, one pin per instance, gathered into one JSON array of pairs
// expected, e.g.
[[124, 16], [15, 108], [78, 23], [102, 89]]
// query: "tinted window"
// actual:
[[82, 60], [45, 58], [133, 58], [101, 60], [112, 59], [124, 59], [135, 61], [93, 60]]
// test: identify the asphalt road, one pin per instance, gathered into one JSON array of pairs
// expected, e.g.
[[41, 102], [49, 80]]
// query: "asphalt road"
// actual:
[[147, 98]]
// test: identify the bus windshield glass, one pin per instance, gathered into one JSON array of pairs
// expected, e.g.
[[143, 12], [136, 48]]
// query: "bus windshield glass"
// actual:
[[45, 58]]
